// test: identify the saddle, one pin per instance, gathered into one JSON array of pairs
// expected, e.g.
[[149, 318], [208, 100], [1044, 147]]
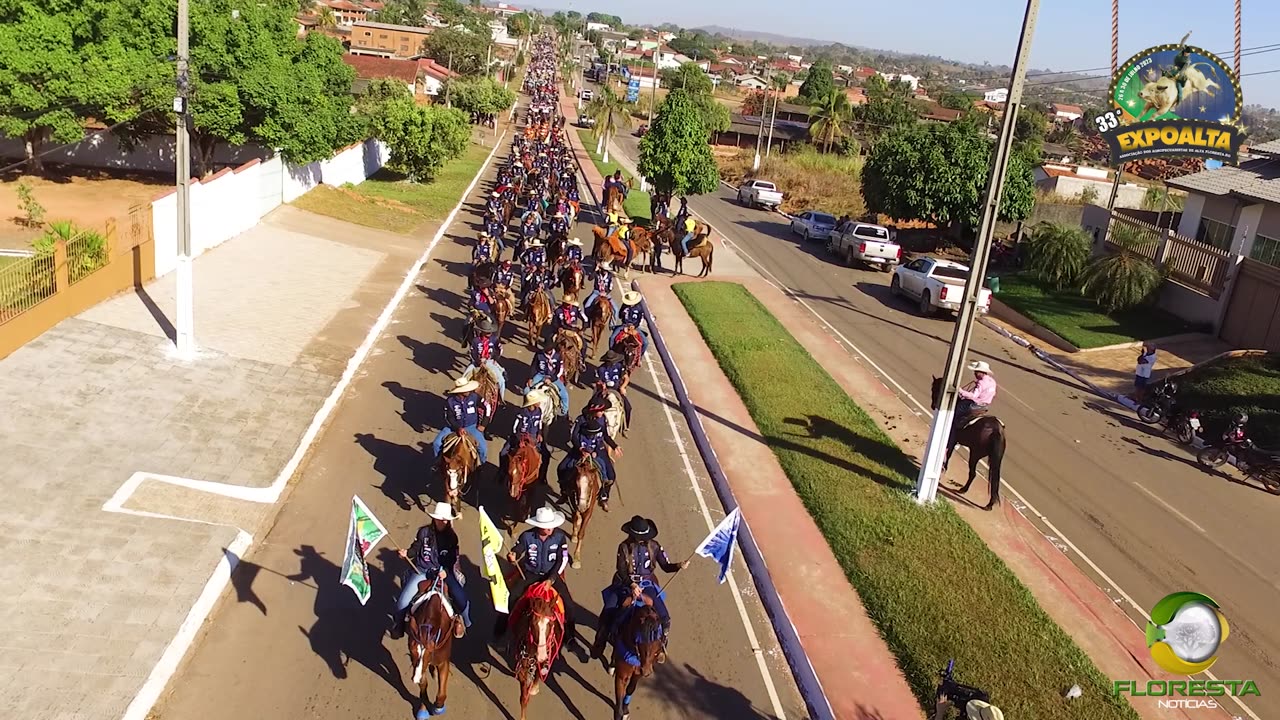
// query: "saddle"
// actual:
[[456, 437], [422, 598], [976, 415]]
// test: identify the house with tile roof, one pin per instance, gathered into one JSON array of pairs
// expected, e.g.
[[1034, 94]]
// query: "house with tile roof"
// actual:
[[369, 68], [1236, 208]]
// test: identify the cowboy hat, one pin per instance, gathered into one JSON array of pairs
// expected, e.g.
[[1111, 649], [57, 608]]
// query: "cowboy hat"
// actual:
[[484, 233], [624, 220], [546, 518], [569, 299], [640, 528], [980, 366], [464, 385], [535, 242], [534, 397], [559, 215], [486, 326], [611, 357], [575, 241], [442, 511], [631, 297], [981, 710], [605, 265]]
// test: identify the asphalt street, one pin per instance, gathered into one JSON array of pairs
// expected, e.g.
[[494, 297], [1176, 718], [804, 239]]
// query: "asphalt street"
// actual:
[[1131, 508], [289, 641]]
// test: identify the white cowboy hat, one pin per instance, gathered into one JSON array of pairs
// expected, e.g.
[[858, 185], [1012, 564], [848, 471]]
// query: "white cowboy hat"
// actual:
[[980, 366], [575, 241], [495, 193], [535, 243], [559, 215], [484, 233], [546, 518], [980, 710], [631, 297], [534, 397], [624, 220], [606, 265], [442, 511], [463, 385]]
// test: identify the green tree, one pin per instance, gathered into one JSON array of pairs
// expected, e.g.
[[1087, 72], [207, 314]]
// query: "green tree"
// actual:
[[674, 154], [956, 101], [696, 45], [520, 25], [612, 21], [422, 138], [482, 97], [402, 12], [635, 34], [715, 116], [464, 51], [1122, 278], [1057, 253], [819, 83], [609, 110], [831, 114], [689, 77], [937, 173]]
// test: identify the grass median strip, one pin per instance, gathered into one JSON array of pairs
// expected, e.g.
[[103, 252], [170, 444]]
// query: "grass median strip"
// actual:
[[637, 202], [933, 588]]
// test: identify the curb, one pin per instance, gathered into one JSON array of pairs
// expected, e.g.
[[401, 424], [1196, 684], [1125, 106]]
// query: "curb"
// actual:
[[802, 670]]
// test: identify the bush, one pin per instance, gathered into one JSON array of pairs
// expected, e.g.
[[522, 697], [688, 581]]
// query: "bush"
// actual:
[[1057, 254], [1089, 195], [480, 97], [86, 249], [1121, 279], [31, 208]]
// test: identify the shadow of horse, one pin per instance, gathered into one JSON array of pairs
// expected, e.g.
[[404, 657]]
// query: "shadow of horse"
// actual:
[[406, 471]]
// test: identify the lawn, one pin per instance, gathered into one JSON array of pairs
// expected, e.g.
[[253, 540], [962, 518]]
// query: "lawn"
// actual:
[[387, 202], [933, 588], [1249, 384], [1080, 321], [637, 203]]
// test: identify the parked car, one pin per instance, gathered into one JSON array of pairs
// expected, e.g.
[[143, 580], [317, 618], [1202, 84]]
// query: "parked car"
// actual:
[[858, 242], [585, 121], [811, 225], [936, 285], [759, 193], [585, 94], [642, 131]]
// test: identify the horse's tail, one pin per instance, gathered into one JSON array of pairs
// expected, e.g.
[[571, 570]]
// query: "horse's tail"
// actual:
[[995, 458]]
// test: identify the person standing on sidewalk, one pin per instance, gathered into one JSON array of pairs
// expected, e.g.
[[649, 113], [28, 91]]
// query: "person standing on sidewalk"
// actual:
[[1142, 374]]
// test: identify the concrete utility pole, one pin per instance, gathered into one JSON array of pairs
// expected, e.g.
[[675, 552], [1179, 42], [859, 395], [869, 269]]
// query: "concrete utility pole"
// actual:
[[186, 316], [931, 468], [768, 145], [755, 164]]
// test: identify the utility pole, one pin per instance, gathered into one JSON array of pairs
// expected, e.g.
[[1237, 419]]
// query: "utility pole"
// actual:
[[185, 321], [772, 119], [931, 467], [764, 110], [653, 98]]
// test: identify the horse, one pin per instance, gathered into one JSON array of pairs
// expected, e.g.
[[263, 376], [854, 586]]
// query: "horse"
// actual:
[[599, 316], [984, 436], [524, 464], [586, 490], [613, 198], [642, 241], [701, 248], [537, 312], [629, 346], [655, 237], [569, 344], [504, 303], [604, 251], [615, 416], [459, 458], [430, 635], [636, 649], [538, 620], [489, 391], [571, 279]]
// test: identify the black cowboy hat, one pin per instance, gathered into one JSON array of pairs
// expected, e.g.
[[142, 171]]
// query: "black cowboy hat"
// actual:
[[486, 326], [612, 356], [640, 528]]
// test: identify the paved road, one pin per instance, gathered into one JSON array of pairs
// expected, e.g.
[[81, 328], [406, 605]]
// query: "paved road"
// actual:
[[1134, 505], [290, 642]]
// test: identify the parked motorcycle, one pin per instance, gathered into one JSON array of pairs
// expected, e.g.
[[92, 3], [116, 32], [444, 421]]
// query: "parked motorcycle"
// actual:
[[1235, 447], [1160, 406], [972, 703]]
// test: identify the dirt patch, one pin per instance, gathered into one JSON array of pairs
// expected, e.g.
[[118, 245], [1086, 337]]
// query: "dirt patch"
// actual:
[[89, 197]]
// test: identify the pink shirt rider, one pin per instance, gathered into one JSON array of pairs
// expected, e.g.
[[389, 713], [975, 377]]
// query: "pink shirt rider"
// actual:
[[981, 391]]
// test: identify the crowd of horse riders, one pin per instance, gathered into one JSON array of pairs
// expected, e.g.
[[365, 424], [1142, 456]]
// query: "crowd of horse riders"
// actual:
[[537, 191]]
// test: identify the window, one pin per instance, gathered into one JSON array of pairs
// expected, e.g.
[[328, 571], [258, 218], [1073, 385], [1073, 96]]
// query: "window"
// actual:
[[404, 47], [823, 219], [1266, 249], [1215, 233], [951, 273], [871, 231], [382, 36]]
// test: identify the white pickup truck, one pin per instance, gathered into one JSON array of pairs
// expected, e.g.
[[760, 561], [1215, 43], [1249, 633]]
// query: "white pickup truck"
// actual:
[[759, 193], [859, 242], [936, 285]]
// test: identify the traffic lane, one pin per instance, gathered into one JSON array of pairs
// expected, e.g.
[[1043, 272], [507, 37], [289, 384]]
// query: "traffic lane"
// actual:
[[1120, 492], [287, 637]]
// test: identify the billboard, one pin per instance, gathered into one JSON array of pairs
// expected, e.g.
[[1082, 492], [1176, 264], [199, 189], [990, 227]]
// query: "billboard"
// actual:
[[633, 89]]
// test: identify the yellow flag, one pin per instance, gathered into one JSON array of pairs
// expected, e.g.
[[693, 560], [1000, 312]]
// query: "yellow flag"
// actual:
[[490, 546]]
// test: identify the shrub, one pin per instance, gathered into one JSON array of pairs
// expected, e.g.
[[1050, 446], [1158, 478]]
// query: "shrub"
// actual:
[[86, 249], [1089, 195], [1122, 278], [1057, 254], [31, 207]]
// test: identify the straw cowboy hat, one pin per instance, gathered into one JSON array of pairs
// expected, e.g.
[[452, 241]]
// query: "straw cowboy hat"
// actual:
[[534, 397], [569, 299], [980, 366], [575, 241], [546, 518], [631, 297], [980, 710], [464, 385], [442, 511], [535, 242], [624, 220], [640, 528]]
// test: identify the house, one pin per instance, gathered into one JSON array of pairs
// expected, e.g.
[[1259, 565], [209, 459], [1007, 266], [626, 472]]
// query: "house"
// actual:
[[666, 58], [370, 68], [934, 112], [1055, 153], [666, 37], [744, 131], [785, 64], [862, 74], [1236, 209], [504, 11], [1060, 112], [844, 69], [383, 40], [1073, 181], [750, 82], [612, 41], [598, 27], [857, 96], [998, 95], [432, 75], [911, 80], [348, 13]]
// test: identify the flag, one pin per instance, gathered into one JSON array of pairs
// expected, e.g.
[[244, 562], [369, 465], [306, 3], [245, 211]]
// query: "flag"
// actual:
[[719, 544], [363, 532], [490, 546]]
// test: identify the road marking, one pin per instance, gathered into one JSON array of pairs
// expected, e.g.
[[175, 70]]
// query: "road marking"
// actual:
[[781, 287], [1170, 508], [706, 516]]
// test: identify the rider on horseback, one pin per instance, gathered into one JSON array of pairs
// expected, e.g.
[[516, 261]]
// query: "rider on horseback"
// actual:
[[482, 301], [612, 374], [975, 398], [634, 576], [534, 257], [568, 316], [494, 205], [541, 553], [528, 422], [485, 249], [548, 364], [462, 413], [559, 225], [690, 227], [530, 224], [486, 348], [630, 315], [590, 437], [432, 556], [573, 251], [503, 275], [603, 285], [615, 181], [538, 277]]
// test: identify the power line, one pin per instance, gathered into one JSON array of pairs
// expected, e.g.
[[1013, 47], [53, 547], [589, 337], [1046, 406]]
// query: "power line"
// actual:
[[1256, 50]]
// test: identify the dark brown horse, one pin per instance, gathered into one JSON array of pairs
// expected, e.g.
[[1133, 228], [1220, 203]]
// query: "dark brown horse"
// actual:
[[985, 438], [524, 464], [504, 303], [700, 247], [586, 489], [459, 458], [599, 316], [430, 634], [569, 344], [636, 650], [571, 279], [538, 619], [658, 236]]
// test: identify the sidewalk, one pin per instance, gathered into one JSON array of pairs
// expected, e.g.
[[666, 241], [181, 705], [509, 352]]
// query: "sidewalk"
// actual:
[[1106, 634], [100, 398]]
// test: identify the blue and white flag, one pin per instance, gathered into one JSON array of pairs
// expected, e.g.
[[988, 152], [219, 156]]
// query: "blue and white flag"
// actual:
[[719, 544]]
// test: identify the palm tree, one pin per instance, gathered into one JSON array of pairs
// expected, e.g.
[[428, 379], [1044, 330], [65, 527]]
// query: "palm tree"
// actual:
[[326, 19], [609, 110], [829, 117]]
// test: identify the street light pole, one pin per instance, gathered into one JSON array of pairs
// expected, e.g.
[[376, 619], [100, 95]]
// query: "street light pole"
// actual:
[[185, 340], [931, 467]]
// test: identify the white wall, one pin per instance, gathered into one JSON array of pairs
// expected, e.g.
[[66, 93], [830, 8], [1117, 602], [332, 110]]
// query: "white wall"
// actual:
[[1192, 210], [154, 153], [1128, 195], [231, 201]]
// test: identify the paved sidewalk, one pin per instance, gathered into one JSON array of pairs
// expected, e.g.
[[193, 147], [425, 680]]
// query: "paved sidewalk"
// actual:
[[100, 397]]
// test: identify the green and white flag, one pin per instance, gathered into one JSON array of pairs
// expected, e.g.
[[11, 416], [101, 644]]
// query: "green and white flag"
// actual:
[[363, 533]]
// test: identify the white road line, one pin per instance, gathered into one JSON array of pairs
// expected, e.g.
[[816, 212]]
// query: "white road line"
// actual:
[[774, 281], [1170, 508], [706, 515]]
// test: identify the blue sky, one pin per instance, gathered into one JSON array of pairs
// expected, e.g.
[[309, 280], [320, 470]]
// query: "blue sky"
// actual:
[[1070, 35]]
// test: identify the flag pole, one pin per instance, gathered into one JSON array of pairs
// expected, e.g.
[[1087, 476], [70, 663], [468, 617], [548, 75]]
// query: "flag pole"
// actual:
[[676, 574]]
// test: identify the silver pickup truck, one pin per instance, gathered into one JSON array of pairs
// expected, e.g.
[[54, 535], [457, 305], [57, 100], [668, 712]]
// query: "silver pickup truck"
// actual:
[[863, 243]]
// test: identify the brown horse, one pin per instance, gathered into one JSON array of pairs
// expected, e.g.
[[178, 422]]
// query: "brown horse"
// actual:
[[700, 247], [489, 391], [569, 344], [985, 438], [655, 237], [538, 619], [613, 199], [636, 649], [430, 635], [599, 317], [604, 251], [504, 303], [642, 241], [586, 489], [524, 464], [537, 312], [459, 458], [571, 279]]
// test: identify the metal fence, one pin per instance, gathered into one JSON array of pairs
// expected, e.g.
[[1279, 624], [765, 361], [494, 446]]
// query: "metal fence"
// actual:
[[86, 253], [25, 283], [1188, 261]]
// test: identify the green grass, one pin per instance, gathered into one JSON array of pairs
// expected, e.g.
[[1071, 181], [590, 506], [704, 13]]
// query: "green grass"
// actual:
[[637, 202], [387, 202], [1239, 384], [930, 584], [1079, 320]]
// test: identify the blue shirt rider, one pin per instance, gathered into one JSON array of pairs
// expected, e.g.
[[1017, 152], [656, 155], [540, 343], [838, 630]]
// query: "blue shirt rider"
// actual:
[[482, 301], [540, 277], [601, 285], [613, 374], [559, 225], [484, 250], [548, 364], [463, 411], [573, 251], [528, 422], [542, 554], [568, 316], [504, 274], [534, 255], [638, 558], [590, 437], [530, 225], [496, 230], [433, 556], [485, 350], [630, 315]]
